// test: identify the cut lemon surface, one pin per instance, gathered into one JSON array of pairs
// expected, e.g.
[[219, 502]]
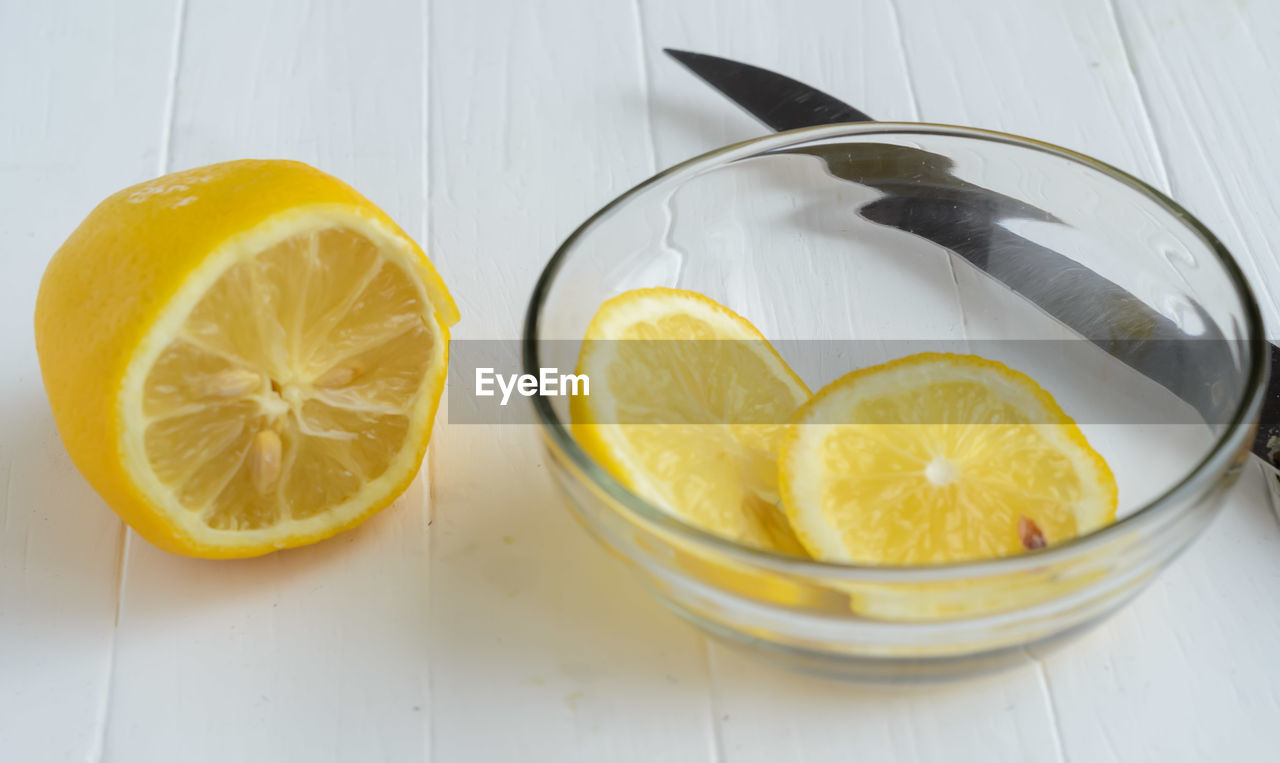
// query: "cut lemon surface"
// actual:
[[243, 357], [688, 406], [939, 458]]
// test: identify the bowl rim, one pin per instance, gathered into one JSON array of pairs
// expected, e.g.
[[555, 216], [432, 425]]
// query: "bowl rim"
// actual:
[[1219, 458]]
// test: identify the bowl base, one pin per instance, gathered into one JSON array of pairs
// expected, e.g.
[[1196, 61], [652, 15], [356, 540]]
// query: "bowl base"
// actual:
[[884, 669]]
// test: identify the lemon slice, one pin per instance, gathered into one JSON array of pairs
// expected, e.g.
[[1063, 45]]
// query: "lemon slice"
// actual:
[[938, 458], [688, 407], [243, 357]]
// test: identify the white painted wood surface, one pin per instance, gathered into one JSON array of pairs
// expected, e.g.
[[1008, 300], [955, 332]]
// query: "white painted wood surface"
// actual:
[[474, 620]]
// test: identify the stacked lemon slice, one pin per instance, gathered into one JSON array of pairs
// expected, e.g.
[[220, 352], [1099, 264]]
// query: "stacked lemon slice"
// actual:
[[688, 408], [929, 459]]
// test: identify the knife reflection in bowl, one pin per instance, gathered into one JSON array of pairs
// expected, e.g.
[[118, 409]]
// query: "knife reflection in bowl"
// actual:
[[923, 197]]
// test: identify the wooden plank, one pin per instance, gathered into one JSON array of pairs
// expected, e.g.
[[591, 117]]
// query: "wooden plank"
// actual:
[[1046, 70], [854, 52], [543, 647], [1208, 81], [319, 653], [1208, 77], [83, 90], [768, 715], [1061, 72]]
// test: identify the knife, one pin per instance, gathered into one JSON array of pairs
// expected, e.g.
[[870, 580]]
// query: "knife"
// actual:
[[940, 207]]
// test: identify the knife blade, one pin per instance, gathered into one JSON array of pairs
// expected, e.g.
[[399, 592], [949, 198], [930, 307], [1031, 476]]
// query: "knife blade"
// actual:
[[780, 102], [963, 218]]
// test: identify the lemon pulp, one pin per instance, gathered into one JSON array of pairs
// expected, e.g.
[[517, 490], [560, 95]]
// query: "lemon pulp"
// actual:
[[290, 384]]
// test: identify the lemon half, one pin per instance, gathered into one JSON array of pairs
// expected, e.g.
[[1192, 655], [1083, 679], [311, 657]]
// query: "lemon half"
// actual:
[[243, 357]]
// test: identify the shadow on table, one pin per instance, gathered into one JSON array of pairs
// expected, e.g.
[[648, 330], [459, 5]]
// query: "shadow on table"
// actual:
[[494, 589], [526, 605], [59, 543]]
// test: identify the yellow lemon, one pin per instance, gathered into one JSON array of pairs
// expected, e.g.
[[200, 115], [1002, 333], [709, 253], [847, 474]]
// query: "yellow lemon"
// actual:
[[688, 406], [243, 357], [939, 458]]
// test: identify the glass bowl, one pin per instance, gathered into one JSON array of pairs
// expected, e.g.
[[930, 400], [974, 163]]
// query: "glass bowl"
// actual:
[[852, 244]]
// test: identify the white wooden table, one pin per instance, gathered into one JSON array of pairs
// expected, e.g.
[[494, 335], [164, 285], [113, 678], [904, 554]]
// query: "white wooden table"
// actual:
[[474, 620]]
